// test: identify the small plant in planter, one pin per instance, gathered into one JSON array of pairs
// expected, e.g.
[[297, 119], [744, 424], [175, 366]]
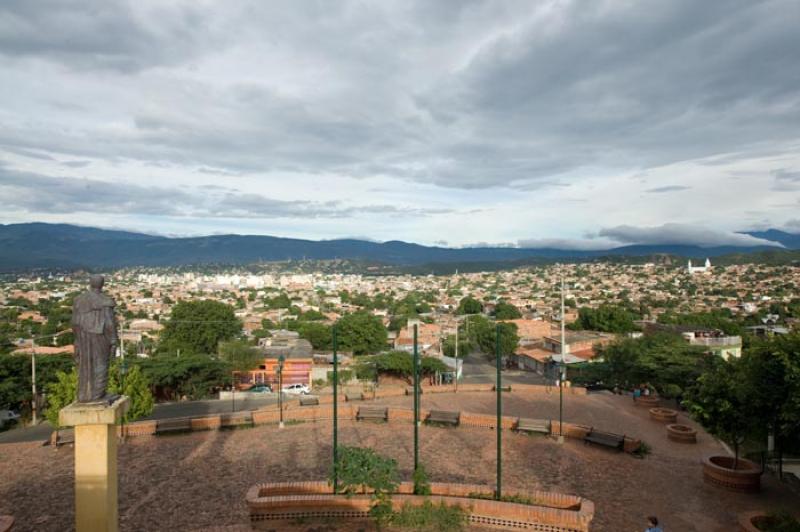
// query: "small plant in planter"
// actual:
[[360, 470]]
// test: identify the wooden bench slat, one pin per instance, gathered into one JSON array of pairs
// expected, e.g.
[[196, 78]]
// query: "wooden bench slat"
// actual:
[[309, 400], [373, 412], [533, 425], [608, 439]]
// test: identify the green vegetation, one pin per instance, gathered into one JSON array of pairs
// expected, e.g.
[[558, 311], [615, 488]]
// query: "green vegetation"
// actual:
[[362, 333], [397, 364], [665, 361], [198, 327], [607, 318], [136, 386], [469, 305], [240, 355], [742, 400], [192, 376], [15, 377], [363, 470], [430, 517], [481, 333], [60, 393], [721, 320], [506, 311]]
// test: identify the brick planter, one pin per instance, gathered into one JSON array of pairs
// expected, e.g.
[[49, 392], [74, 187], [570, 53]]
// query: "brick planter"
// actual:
[[649, 401], [717, 470], [551, 512], [664, 414], [750, 521], [6, 523], [681, 433]]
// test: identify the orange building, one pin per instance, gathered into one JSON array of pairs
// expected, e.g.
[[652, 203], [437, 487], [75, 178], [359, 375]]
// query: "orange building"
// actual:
[[295, 371]]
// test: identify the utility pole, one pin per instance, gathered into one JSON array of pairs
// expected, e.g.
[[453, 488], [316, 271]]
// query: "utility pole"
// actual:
[[280, 389], [335, 414]]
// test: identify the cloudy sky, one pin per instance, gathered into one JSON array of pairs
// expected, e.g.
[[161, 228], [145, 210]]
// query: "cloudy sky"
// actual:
[[578, 124]]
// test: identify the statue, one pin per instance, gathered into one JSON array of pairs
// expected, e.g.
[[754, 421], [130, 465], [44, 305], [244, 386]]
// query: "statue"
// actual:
[[95, 329]]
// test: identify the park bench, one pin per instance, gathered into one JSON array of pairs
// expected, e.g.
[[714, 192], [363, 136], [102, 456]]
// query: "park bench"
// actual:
[[354, 396], [410, 390], [608, 439], [533, 425], [502, 388], [373, 413], [444, 417], [173, 425], [309, 400]]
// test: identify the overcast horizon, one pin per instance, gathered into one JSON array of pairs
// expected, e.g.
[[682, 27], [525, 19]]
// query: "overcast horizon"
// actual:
[[577, 125]]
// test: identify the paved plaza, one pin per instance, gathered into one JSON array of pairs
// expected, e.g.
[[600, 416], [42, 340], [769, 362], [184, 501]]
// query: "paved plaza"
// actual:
[[198, 480]]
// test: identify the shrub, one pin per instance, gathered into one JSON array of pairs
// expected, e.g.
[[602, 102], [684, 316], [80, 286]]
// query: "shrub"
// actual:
[[422, 485], [439, 517]]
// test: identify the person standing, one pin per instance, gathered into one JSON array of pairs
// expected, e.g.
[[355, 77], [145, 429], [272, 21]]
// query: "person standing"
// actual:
[[652, 525]]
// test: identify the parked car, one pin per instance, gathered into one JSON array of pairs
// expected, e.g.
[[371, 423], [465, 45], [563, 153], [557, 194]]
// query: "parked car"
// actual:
[[8, 417], [260, 388], [297, 389]]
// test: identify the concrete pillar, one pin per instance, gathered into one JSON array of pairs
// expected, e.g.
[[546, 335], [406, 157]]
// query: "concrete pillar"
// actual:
[[95, 463]]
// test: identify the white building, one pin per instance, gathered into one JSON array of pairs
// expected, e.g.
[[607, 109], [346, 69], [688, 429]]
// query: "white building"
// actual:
[[706, 269]]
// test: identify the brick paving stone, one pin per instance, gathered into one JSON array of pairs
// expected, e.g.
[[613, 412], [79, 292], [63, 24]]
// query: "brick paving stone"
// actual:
[[198, 481]]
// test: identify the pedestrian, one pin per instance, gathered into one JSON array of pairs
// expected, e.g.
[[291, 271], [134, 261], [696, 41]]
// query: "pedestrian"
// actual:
[[637, 392], [646, 391], [652, 525]]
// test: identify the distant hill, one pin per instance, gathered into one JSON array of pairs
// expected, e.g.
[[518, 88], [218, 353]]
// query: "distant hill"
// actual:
[[63, 246], [789, 240]]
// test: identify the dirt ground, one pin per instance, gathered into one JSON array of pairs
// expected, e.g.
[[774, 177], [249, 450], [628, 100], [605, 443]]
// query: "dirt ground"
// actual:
[[197, 481]]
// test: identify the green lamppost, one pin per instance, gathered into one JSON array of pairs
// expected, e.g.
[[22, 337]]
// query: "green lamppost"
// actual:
[[499, 388], [335, 414], [123, 369], [416, 402], [281, 358]]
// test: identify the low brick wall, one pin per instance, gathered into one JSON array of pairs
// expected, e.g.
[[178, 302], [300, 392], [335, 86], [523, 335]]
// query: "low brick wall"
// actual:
[[324, 411], [551, 512]]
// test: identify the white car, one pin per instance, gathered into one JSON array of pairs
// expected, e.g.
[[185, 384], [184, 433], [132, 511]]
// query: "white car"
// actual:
[[297, 389], [7, 416]]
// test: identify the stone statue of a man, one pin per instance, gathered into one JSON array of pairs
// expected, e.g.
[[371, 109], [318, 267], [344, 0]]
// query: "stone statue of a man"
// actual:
[[95, 330]]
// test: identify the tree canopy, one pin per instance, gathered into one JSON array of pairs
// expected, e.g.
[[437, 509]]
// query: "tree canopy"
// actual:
[[506, 311], [362, 333], [199, 327], [606, 318], [469, 305]]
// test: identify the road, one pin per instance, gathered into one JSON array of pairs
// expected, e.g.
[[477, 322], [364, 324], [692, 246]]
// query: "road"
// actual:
[[478, 370], [42, 431]]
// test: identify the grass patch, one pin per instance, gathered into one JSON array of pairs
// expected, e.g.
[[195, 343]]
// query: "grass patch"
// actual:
[[430, 517], [642, 451]]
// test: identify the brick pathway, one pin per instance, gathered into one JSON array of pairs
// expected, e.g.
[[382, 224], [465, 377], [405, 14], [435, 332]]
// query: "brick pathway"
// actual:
[[198, 480]]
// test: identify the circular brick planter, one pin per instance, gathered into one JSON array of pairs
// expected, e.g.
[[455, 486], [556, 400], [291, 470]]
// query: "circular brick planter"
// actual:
[[664, 414], [6, 523], [649, 401], [753, 521], [718, 470], [681, 433]]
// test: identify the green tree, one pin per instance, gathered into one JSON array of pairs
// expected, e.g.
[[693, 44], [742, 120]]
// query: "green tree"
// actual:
[[198, 327], [135, 386], [607, 318], [317, 333], [60, 393], [193, 376], [362, 333], [240, 355], [506, 311], [720, 403], [469, 305], [482, 333]]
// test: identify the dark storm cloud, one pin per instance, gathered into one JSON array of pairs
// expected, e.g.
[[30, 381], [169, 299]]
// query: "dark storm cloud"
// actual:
[[31, 192]]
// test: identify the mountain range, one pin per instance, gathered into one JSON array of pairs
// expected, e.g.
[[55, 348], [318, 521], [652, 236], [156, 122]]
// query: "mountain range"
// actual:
[[63, 246]]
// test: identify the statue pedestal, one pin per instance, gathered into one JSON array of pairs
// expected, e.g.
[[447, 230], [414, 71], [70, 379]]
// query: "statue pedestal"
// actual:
[[95, 462]]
